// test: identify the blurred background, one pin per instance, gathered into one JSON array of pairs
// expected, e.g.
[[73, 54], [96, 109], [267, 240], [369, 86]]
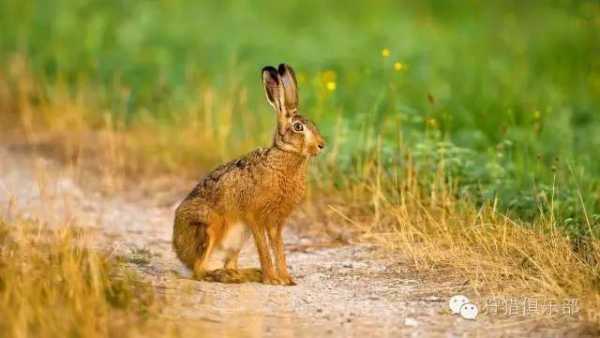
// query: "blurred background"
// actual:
[[501, 98]]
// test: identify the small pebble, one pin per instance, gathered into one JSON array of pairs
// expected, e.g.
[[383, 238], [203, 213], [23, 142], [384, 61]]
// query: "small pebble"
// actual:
[[410, 322]]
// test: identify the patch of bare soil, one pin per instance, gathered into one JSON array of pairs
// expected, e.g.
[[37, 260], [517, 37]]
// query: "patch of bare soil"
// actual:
[[342, 291]]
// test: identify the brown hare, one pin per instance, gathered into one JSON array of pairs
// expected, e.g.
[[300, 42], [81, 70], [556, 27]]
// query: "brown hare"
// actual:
[[251, 195]]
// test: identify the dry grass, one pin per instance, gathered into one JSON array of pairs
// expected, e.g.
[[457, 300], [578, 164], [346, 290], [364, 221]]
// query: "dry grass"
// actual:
[[394, 207], [51, 285], [71, 125], [495, 254]]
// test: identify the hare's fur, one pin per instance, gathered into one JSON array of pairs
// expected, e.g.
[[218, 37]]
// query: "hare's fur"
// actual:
[[253, 195]]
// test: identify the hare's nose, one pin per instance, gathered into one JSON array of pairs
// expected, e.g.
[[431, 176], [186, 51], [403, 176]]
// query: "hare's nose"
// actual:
[[321, 145]]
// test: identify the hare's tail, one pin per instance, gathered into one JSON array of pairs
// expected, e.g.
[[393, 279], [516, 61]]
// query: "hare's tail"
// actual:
[[189, 239], [231, 276]]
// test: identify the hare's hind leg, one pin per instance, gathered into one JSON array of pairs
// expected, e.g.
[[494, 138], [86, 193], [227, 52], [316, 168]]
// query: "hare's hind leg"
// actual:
[[201, 263], [233, 276], [212, 256], [231, 273]]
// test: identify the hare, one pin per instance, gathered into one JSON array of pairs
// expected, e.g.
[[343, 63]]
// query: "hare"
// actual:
[[253, 195]]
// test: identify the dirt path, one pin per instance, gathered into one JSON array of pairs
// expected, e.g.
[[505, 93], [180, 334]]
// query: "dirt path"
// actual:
[[342, 291]]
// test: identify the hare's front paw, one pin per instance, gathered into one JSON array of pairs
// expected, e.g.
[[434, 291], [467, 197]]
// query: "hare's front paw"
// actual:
[[287, 280], [272, 280]]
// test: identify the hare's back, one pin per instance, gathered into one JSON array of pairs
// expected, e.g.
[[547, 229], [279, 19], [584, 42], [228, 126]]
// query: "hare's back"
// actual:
[[230, 175]]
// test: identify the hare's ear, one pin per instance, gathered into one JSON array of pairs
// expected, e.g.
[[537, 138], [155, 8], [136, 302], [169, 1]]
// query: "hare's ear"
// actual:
[[273, 88], [290, 89]]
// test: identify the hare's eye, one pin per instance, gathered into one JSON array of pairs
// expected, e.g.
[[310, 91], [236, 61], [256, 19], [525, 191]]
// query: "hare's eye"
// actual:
[[298, 126]]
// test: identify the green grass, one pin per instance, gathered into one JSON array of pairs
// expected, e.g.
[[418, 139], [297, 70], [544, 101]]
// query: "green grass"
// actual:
[[504, 94]]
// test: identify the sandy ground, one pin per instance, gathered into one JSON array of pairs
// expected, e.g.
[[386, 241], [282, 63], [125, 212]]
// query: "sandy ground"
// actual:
[[343, 290]]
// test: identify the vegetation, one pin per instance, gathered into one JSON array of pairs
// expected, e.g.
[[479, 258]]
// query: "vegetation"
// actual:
[[466, 133], [52, 285], [506, 92]]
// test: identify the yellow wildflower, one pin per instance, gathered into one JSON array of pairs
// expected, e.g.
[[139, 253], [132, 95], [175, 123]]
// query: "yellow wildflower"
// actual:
[[385, 52], [398, 66], [331, 85]]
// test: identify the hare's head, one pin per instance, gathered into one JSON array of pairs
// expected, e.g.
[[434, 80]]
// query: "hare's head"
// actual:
[[294, 133]]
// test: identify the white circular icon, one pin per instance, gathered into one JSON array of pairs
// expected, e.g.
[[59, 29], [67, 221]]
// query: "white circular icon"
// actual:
[[456, 302], [469, 311]]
